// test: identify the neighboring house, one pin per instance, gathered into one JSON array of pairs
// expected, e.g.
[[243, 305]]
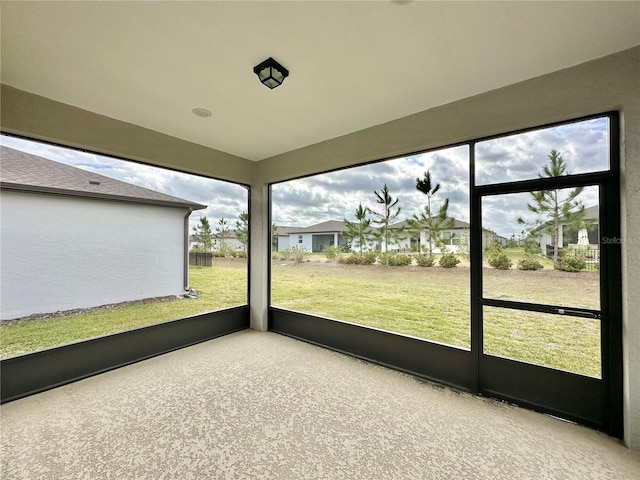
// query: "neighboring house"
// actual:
[[454, 239], [231, 240], [281, 240], [75, 239], [316, 238], [570, 236]]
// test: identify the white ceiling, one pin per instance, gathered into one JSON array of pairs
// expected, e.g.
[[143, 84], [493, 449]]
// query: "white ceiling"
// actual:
[[353, 64]]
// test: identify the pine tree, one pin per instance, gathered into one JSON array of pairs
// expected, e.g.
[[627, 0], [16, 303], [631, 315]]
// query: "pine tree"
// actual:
[[555, 209], [431, 224], [242, 230], [359, 232], [274, 237], [202, 235], [221, 234], [384, 219]]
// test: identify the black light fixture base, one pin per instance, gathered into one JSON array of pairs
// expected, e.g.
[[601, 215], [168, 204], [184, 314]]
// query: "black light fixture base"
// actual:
[[271, 73]]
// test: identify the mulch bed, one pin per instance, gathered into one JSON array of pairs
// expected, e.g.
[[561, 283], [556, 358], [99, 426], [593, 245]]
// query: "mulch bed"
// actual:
[[64, 313]]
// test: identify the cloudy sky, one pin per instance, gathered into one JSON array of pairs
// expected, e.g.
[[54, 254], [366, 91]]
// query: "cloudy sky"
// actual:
[[223, 199], [336, 195]]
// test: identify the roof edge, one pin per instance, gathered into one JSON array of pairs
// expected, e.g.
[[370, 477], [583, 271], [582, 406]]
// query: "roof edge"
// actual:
[[16, 187]]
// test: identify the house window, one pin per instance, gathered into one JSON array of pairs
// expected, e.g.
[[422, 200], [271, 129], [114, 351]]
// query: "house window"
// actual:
[[127, 245], [451, 238], [299, 238]]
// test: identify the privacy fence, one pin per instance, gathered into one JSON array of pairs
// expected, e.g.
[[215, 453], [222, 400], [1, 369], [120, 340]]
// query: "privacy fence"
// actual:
[[200, 259]]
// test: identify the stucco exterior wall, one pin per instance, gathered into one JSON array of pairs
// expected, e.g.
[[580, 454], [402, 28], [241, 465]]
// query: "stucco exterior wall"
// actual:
[[630, 224], [294, 240], [283, 242], [62, 253]]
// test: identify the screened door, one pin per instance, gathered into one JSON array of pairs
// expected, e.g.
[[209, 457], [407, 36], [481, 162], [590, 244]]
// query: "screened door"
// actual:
[[546, 276]]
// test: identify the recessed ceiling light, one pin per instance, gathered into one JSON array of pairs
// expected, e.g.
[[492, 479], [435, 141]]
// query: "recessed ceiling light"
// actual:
[[201, 112]]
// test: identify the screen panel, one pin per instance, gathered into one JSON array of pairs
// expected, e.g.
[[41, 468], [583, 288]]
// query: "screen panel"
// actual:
[[94, 245]]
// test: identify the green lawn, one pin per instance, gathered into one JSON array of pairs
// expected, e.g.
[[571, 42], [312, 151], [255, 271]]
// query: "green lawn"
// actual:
[[430, 303], [433, 303]]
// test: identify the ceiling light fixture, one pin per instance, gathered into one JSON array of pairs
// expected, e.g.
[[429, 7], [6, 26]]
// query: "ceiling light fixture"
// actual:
[[271, 73]]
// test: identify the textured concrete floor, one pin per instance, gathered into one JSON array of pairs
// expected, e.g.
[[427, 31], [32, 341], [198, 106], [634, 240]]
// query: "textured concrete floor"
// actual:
[[260, 405]]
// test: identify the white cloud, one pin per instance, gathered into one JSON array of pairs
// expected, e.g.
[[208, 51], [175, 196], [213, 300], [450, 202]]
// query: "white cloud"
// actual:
[[223, 199], [336, 195], [584, 148]]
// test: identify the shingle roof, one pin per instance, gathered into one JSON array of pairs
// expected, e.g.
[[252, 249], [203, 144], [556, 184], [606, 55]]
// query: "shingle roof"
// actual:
[[281, 231], [592, 212], [26, 172], [456, 224], [331, 226], [328, 226]]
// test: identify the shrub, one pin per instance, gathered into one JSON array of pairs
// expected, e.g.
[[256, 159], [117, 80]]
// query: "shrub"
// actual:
[[531, 246], [573, 263], [284, 254], [240, 254], [332, 252], [227, 250], [529, 264], [345, 248], [448, 260], [369, 258], [500, 261], [298, 254], [398, 259], [365, 258], [424, 260], [493, 248]]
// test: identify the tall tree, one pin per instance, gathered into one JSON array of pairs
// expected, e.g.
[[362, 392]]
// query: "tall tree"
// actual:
[[222, 233], [274, 237], [554, 208], [242, 230], [202, 235], [426, 221], [389, 211], [359, 232]]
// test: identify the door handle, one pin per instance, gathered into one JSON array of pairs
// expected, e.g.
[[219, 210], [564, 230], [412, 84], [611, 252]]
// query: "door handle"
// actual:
[[576, 313]]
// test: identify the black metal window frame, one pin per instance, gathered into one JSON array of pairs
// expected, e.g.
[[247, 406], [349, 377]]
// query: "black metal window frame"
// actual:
[[36, 372], [460, 368]]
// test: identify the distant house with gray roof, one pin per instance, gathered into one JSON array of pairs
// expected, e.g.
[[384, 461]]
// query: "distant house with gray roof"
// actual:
[[317, 237], [570, 235], [76, 239]]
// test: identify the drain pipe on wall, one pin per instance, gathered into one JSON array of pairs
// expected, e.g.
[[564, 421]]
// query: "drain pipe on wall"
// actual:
[[186, 250]]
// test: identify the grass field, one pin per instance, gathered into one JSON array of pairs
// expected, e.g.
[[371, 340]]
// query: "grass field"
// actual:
[[433, 303], [430, 303]]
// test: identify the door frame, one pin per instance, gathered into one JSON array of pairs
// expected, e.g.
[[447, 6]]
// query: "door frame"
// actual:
[[586, 400]]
